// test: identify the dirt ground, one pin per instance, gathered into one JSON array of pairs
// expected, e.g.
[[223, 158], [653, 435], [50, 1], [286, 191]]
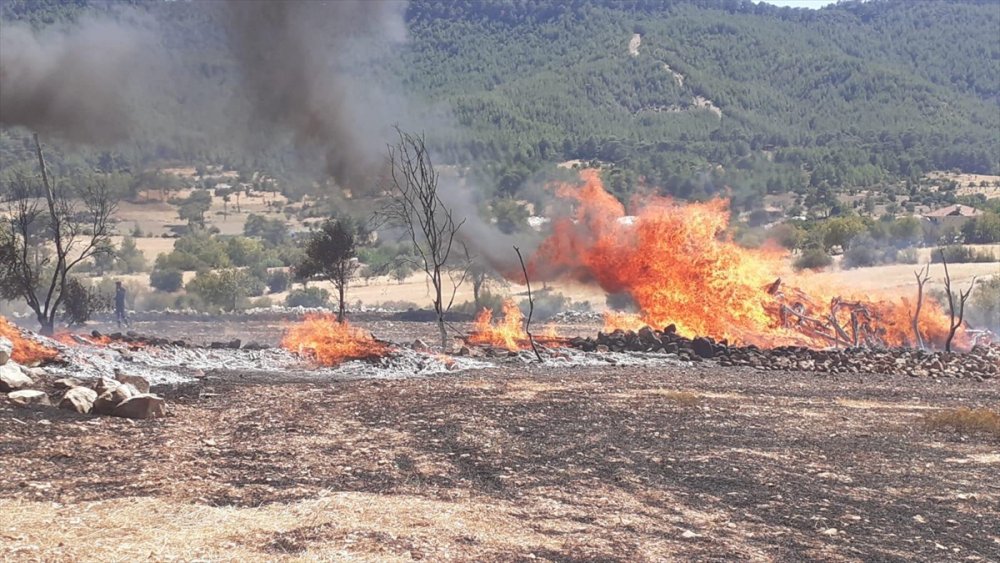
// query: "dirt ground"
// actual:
[[515, 463]]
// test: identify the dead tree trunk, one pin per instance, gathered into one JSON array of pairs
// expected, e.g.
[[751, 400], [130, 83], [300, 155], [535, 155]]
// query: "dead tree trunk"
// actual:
[[922, 276], [963, 296], [531, 306]]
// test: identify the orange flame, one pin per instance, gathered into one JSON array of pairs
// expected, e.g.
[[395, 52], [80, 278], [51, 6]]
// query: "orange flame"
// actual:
[[675, 262], [330, 342], [27, 351], [509, 331]]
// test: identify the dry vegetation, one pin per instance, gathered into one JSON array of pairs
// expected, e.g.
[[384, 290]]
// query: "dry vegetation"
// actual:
[[965, 420]]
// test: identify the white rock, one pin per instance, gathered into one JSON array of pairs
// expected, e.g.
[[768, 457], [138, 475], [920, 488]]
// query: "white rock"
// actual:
[[140, 383], [12, 379], [6, 349], [28, 397], [107, 401], [79, 399], [142, 406]]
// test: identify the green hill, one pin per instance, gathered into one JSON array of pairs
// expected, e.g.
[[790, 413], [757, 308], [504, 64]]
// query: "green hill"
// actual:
[[852, 95]]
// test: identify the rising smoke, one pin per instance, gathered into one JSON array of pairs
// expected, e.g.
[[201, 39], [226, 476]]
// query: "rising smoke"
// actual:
[[74, 83], [298, 62]]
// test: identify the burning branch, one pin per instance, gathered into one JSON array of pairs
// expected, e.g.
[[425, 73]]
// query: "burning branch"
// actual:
[[922, 276], [963, 296], [531, 305]]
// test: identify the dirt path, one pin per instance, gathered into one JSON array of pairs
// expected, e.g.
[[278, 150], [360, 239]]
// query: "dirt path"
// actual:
[[636, 464]]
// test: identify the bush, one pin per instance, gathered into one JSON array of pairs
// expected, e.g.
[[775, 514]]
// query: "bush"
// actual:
[[984, 305], [278, 280], [129, 259], [958, 254], [80, 302], [547, 305], [308, 297], [169, 280], [907, 256], [984, 229], [812, 259], [226, 289]]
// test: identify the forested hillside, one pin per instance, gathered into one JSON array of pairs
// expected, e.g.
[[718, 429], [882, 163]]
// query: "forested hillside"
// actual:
[[750, 96]]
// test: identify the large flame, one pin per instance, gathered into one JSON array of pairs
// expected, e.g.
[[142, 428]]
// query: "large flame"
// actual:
[[676, 263], [27, 351], [330, 342]]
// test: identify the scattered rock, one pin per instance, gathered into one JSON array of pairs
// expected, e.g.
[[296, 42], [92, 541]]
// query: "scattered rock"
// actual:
[[107, 402], [105, 384], [79, 399], [703, 347], [139, 383], [12, 378], [6, 349], [142, 407], [67, 383], [420, 345], [28, 397]]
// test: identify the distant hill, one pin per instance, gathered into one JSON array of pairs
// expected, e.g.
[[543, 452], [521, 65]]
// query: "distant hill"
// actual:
[[762, 99]]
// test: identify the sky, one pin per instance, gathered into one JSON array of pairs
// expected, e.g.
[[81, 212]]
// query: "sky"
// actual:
[[814, 4]]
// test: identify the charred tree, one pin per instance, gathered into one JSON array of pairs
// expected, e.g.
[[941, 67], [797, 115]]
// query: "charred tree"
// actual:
[[415, 206], [41, 245], [922, 276], [531, 305], [955, 320]]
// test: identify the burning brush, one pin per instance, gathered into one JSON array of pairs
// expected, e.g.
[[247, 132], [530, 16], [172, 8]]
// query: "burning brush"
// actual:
[[677, 265], [331, 343], [508, 332], [27, 350]]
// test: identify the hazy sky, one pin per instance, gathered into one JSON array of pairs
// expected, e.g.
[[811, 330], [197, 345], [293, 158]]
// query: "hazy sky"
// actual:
[[814, 4]]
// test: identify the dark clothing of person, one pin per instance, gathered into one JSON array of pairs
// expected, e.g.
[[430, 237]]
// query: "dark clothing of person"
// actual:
[[120, 306]]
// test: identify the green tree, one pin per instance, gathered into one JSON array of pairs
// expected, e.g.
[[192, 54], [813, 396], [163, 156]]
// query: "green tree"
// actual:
[[331, 255]]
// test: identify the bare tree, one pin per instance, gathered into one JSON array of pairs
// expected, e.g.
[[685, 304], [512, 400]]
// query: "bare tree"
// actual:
[[963, 296], [922, 276], [40, 246], [415, 206], [531, 305]]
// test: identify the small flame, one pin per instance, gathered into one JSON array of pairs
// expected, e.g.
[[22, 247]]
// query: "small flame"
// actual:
[[330, 342], [508, 332], [27, 351]]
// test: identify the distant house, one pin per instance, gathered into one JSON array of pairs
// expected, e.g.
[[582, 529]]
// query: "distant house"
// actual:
[[952, 216]]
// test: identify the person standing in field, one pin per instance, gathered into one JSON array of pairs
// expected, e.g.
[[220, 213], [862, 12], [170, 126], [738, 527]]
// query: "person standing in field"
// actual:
[[120, 304]]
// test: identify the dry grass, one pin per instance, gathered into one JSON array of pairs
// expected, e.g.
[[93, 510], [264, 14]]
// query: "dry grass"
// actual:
[[965, 420], [684, 398]]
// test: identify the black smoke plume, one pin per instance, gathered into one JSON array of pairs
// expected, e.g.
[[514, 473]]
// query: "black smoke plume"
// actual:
[[299, 65]]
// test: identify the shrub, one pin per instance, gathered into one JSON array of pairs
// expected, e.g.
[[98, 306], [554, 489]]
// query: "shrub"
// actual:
[[80, 302], [308, 297], [964, 420], [278, 280], [812, 259], [169, 280], [984, 305], [907, 256], [129, 259], [225, 289], [957, 254], [547, 305]]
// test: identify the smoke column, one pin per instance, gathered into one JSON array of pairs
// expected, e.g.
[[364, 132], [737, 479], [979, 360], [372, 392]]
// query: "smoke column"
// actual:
[[75, 83], [293, 59]]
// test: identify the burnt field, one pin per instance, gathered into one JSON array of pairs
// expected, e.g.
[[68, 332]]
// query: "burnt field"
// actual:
[[518, 461]]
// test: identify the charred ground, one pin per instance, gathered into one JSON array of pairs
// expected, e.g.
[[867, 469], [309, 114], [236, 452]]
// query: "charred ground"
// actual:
[[514, 463]]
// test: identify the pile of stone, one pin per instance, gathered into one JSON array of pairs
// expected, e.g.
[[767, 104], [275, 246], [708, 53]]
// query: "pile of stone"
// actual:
[[982, 362], [125, 396], [134, 339]]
